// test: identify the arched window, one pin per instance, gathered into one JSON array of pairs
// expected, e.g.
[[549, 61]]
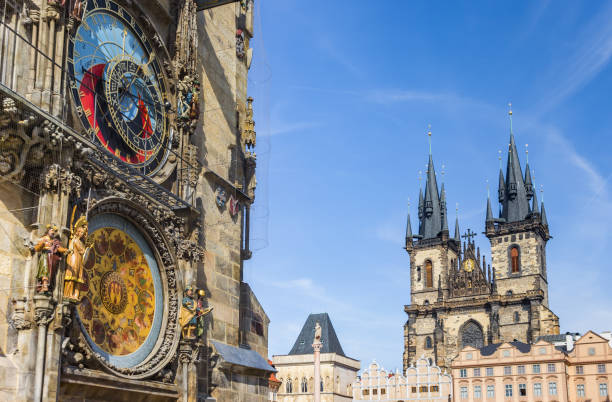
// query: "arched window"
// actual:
[[428, 342], [418, 274], [514, 260], [304, 385], [471, 335], [428, 274], [321, 385], [288, 386], [517, 316]]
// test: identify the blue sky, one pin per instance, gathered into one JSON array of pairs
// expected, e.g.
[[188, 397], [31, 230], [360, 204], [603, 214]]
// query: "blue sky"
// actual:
[[344, 91]]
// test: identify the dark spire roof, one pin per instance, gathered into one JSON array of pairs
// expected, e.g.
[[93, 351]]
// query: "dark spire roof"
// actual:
[[457, 233], [303, 344], [443, 208], [431, 220], [535, 209], [513, 194], [528, 182], [543, 216], [489, 210], [408, 227]]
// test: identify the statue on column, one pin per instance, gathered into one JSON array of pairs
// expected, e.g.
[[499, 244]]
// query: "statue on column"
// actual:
[[193, 313], [317, 338], [50, 253], [74, 278]]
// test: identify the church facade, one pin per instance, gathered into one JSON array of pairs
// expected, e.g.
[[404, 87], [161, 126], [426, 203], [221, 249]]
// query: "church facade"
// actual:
[[457, 298], [127, 174]]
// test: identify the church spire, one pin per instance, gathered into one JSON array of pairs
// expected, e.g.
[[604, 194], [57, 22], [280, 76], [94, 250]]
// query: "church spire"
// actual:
[[408, 229], [543, 216], [515, 205], [457, 233], [489, 211], [528, 183], [431, 221]]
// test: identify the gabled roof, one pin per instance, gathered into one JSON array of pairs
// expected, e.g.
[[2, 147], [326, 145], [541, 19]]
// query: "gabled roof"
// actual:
[[303, 344], [586, 338]]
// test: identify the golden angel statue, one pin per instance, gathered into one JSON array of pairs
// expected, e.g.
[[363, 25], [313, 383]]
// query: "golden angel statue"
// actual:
[[74, 278]]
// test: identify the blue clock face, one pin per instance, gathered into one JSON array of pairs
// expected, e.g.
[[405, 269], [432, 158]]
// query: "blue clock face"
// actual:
[[118, 87]]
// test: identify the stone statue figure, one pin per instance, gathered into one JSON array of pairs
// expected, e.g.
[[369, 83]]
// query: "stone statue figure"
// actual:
[[193, 313], [74, 278], [50, 253], [317, 338]]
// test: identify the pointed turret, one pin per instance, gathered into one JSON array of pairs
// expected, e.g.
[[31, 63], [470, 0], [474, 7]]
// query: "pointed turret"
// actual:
[[408, 231], [421, 204], [543, 217], [457, 233], [528, 182], [515, 206], [502, 186], [443, 211], [431, 222], [489, 211], [535, 209]]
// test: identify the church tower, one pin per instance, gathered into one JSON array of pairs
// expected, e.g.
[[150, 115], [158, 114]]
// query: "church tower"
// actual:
[[457, 298]]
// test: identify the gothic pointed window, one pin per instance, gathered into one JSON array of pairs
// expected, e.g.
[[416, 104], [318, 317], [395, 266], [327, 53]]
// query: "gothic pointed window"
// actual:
[[514, 260], [304, 385], [288, 386], [428, 343], [471, 335], [428, 274]]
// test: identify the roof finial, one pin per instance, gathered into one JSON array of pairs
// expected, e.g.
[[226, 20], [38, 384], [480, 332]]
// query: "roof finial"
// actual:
[[420, 178], [442, 172], [457, 209], [527, 152], [408, 203], [488, 189], [500, 157], [510, 114], [542, 192], [429, 135]]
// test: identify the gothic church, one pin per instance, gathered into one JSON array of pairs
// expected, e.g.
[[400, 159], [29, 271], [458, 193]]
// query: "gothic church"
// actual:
[[457, 299]]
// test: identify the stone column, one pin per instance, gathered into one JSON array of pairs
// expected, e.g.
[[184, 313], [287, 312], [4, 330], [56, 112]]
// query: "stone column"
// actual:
[[317, 370], [43, 314], [188, 351]]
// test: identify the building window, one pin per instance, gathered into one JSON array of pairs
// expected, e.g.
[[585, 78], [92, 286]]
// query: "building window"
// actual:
[[517, 316], [521, 369], [580, 390], [601, 368], [414, 390], [603, 389], [537, 389], [288, 386], [428, 274], [489, 371], [423, 388], [468, 356], [508, 370], [522, 389], [321, 385], [551, 367], [471, 335], [257, 324], [579, 369], [591, 351], [477, 392], [536, 369], [506, 353], [464, 393], [476, 372], [542, 351], [490, 391], [552, 388], [304, 387], [418, 274], [463, 373], [508, 390], [366, 392], [434, 388], [428, 342], [514, 260]]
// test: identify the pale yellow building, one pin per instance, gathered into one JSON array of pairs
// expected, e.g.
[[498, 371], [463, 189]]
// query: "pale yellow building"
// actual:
[[296, 369], [422, 382], [517, 371]]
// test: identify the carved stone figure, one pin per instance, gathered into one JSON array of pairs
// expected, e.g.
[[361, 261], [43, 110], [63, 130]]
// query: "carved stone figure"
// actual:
[[50, 253], [74, 278], [317, 337], [193, 313]]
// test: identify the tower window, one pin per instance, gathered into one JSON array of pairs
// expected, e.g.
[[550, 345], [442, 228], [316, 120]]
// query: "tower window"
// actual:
[[428, 343], [514, 260], [304, 387], [428, 274], [517, 317]]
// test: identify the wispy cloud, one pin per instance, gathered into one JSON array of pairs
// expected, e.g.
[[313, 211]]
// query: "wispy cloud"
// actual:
[[334, 52], [406, 95], [590, 56], [280, 127]]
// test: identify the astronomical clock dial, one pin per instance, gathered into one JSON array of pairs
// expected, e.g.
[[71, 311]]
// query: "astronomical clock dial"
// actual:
[[468, 265], [118, 87]]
